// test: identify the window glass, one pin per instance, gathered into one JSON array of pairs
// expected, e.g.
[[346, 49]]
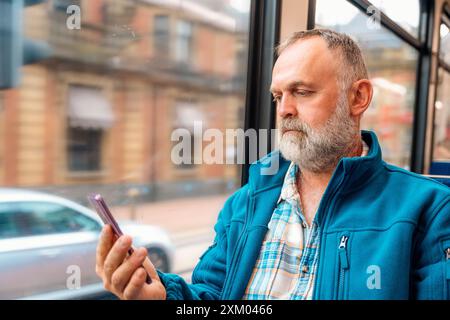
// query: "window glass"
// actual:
[[161, 31], [441, 137], [187, 116], [84, 149], [2, 119], [441, 151], [404, 12], [98, 114], [392, 69], [444, 50], [183, 42]]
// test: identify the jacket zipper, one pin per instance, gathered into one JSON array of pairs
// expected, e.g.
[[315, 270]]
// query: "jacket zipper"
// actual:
[[447, 270], [343, 265], [316, 293]]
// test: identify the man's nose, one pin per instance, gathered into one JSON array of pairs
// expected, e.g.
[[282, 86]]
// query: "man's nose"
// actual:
[[287, 107]]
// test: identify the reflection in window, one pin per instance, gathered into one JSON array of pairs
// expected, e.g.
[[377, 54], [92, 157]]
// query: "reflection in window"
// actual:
[[404, 12], [441, 151], [392, 69], [187, 117], [444, 51]]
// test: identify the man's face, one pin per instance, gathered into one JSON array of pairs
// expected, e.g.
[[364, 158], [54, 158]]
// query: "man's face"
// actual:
[[313, 114]]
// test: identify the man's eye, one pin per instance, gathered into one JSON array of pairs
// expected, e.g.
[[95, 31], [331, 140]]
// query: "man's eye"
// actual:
[[276, 98], [303, 93]]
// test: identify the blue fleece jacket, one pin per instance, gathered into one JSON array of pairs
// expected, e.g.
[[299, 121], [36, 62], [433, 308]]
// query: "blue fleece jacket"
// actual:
[[395, 225]]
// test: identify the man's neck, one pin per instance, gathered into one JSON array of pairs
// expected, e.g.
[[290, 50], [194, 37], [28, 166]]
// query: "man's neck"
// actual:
[[320, 180], [311, 185]]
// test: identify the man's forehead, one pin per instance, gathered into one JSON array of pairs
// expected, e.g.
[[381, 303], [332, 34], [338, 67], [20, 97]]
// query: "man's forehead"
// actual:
[[305, 60], [314, 43]]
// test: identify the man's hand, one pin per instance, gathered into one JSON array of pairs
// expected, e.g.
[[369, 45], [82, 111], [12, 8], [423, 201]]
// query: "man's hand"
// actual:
[[125, 275]]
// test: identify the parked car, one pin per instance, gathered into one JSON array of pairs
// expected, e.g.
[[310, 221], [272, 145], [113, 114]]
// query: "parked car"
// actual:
[[45, 240]]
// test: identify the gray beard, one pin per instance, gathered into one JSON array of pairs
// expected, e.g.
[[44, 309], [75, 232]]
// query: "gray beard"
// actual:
[[319, 150]]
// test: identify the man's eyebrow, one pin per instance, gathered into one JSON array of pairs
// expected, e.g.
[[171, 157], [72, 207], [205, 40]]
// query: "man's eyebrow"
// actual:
[[293, 85]]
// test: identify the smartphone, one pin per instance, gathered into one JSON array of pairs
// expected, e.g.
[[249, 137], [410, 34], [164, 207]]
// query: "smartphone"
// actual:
[[105, 214]]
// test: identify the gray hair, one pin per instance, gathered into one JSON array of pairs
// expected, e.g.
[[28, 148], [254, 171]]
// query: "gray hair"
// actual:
[[352, 68]]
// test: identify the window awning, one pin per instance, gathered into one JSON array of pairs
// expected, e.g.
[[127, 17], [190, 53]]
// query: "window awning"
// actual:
[[89, 109]]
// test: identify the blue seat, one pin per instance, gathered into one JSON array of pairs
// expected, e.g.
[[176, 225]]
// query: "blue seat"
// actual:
[[441, 179], [440, 168]]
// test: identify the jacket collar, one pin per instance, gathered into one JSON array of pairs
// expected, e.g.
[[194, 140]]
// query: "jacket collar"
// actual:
[[265, 189]]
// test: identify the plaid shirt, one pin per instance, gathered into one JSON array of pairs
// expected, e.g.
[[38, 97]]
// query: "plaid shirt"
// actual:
[[287, 263]]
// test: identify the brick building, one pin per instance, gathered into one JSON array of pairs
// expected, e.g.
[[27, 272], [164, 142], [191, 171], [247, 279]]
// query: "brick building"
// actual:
[[100, 111]]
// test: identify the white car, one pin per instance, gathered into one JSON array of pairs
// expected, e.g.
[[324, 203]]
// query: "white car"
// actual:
[[48, 244]]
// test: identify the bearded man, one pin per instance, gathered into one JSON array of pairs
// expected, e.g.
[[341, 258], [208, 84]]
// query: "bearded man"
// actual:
[[334, 222]]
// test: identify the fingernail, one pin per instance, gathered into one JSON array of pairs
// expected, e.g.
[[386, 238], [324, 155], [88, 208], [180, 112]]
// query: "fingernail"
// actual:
[[124, 242], [141, 252]]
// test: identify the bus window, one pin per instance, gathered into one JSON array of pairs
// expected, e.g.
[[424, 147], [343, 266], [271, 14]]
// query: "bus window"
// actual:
[[441, 137], [101, 115], [404, 12], [442, 118]]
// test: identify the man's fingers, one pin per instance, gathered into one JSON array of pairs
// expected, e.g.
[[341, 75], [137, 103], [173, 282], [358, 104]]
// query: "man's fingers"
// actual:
[[150, 268], [135, 284], [105, 243], [124, 272], [116, 256]]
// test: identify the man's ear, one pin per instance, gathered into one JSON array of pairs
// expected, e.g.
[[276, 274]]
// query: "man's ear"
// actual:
[[360, 97]]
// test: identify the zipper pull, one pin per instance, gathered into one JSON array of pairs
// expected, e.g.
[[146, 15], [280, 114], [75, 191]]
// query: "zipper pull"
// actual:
[[447, 265], [343, 259]]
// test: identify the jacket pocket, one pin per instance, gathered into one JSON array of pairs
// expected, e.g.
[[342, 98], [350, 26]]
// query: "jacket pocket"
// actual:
[[203, 264], [343, 266], [446, 257], [208, 249]]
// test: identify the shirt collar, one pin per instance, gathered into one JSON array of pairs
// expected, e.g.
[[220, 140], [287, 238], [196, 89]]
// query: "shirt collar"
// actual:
[[289, 189], [365, 150]]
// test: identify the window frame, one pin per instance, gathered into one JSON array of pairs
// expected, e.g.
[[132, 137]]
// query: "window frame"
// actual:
[[264, 35]]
